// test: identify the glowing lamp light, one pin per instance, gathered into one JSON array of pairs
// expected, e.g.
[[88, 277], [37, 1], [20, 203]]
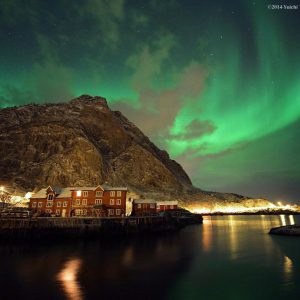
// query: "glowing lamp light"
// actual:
[[28, 195], [279, 203], [78, 193]]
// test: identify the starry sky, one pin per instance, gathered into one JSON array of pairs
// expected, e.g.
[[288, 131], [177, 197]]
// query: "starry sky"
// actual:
[[215, 83]]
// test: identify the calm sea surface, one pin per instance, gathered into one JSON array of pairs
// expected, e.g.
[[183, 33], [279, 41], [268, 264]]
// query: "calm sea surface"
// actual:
[[225, 258]]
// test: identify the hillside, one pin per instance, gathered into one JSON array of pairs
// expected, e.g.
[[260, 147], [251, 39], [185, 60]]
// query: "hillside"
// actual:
[[83, 142]]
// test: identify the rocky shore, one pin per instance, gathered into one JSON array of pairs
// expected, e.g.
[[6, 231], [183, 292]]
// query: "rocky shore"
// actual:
[[289, 230]]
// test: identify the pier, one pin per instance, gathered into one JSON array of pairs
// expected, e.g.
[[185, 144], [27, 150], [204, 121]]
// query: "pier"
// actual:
[[40, 228]]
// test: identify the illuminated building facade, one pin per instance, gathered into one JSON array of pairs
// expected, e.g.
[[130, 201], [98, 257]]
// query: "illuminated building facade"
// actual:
[[98, 201]]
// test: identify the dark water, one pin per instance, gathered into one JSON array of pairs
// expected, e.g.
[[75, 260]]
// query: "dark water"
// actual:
[[225, 258]]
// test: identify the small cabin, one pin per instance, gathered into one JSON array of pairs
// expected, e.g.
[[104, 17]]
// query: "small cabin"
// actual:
[[142, 207], [166, 205]]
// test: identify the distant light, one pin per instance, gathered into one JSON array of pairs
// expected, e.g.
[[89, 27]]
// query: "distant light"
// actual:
[[2, 188], [282, 218], [78, 193], [28, 195], [292, 221], [279, 203]]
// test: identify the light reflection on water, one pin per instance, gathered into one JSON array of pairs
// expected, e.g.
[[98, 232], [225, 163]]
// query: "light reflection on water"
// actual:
[[68, 278], [288, 270], [227, 257]]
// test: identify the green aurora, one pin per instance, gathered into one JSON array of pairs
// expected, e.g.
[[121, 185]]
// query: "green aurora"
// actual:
[[215, 84]]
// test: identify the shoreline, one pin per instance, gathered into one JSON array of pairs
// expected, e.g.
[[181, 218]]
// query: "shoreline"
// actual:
[[261, 213], [54, 228], [287, 230]]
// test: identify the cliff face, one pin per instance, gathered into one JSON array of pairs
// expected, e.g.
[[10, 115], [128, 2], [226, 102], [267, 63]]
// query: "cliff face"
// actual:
[[82, 142]]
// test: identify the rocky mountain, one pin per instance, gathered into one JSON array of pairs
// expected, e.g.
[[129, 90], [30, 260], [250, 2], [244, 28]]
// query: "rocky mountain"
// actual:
[[83, 142]]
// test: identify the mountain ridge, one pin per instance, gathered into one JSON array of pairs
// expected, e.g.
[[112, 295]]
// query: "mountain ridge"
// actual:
[[84, 142]]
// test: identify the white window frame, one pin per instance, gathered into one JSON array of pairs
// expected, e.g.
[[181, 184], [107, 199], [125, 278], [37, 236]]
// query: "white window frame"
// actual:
[[85, 193], [119, 193], [111, 212], [99, 193], [49, 204], [112, 193], [77, 202], [78, 193], [84, 212], [58, 204], [48, 197], [34, 204], [112, 201], [98, 201], [118, 201], [48, 211], [84, 201], [40, 204], [118, 211], [57, 212], [65, 204]]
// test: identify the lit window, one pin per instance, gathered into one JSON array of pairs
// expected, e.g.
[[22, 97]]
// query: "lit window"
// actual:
[[118, 201], [58, 204], [33, 204], [65, 204], [112, 201], [49, 204], [40, 204], [119, 193], [118, 212], [139, 205], [50, 197], [112, 193], [78, 193], [84, 201], [99, 194], [57, 212], [77, 201], [85, 193], [98, 201]]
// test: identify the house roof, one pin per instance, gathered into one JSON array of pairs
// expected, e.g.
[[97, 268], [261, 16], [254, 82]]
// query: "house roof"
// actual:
[[67, 191], [167, 202], [143, 201], [40, 194]]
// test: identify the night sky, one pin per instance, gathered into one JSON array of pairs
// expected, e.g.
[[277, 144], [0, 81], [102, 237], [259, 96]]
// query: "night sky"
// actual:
[[215, 83]]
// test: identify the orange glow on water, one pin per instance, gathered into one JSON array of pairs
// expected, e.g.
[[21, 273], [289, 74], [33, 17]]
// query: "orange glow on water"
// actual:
[[68, 278]]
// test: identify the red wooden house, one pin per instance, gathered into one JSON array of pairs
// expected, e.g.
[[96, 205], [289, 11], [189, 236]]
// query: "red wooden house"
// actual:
[[98, 201], [142, 207], [166, 205]]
